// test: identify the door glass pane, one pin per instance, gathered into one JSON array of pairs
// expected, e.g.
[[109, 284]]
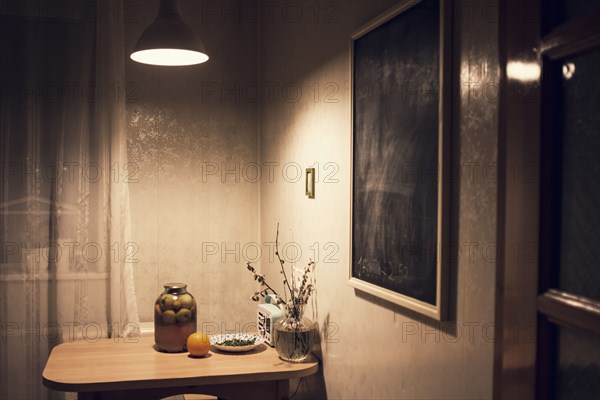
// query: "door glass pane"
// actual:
[[580, 204], [576, 8], [577, 373]]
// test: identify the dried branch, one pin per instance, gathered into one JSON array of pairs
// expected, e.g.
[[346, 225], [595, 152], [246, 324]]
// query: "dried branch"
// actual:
[[299, 296], [261, 279], [281, 262]]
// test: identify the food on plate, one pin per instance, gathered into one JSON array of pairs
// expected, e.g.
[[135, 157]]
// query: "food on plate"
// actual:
[[236, 342]]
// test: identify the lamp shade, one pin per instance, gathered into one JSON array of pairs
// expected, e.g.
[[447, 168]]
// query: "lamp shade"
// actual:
[[169, 40]]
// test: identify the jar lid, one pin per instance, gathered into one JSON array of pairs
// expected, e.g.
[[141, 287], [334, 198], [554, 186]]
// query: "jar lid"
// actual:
[[175, 285]]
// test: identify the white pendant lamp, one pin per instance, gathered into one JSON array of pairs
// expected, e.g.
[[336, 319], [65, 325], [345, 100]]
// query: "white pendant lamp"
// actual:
[[169, 41]]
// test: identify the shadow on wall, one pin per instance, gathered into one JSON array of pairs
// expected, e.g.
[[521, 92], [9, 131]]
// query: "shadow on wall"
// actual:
[[312, 386], [448, 327]]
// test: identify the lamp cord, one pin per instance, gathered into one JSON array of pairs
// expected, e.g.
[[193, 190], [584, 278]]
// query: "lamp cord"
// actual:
[[297, 387]]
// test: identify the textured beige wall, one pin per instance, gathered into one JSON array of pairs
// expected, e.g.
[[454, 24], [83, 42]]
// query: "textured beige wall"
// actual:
[[369, 349], [178, 124], [184, 130]]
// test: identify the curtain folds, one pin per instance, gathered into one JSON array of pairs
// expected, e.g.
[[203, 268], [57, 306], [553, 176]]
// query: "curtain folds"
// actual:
[[66, 258], [112, 121]]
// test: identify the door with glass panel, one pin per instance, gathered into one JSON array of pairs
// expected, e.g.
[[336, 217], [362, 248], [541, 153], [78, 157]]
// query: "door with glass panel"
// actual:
[[568, 351]]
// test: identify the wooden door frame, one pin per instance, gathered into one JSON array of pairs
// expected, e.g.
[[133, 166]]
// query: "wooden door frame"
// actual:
[[534, 41], [518, 201]]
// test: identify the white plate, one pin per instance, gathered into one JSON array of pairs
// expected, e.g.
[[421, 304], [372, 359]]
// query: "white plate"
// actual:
[[216, 339]]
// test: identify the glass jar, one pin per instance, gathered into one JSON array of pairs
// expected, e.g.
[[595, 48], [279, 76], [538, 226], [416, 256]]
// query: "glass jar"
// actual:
[[293, 335], [174, 318]]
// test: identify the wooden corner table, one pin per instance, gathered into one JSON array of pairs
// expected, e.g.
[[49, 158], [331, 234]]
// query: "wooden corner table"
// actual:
[[132, 369]]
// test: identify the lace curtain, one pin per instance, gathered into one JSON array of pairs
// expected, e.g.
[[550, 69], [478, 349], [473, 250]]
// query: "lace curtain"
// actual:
[[65, 258]]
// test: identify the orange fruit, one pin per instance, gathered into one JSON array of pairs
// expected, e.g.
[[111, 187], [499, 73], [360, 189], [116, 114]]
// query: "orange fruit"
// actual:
[[198, 344]]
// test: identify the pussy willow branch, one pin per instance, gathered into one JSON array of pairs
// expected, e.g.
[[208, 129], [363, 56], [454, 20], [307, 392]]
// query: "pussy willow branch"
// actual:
[[281, 262], [306, 290], [297, 299], [263, 282]]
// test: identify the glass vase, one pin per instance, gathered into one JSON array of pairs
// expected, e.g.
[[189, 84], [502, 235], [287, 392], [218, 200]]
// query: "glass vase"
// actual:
[[292, 335], [174, 318]]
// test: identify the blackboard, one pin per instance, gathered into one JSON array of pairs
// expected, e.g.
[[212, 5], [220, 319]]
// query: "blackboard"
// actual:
[[396, 204]]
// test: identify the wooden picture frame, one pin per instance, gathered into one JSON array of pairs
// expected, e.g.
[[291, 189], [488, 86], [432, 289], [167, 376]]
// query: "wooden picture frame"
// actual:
[[401, 107]]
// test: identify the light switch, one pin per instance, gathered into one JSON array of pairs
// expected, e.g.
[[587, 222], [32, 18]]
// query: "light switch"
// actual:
[[310, 183]]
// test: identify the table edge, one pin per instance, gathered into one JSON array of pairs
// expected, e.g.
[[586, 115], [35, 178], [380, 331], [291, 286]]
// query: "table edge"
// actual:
[[169, 383]]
